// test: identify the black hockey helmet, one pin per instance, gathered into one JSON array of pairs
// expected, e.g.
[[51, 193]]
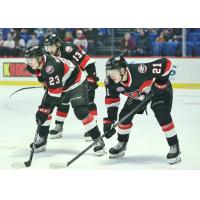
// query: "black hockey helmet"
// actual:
[[116, 63], [51, 38], [34, 51]]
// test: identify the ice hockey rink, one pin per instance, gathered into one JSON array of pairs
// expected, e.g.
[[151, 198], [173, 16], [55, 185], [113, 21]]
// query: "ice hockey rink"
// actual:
[[147, 147]]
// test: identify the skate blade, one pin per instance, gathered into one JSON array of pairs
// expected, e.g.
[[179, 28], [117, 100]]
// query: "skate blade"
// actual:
[[59, 135], [88, 139], [41, 149], [100, 152], [175, 160], [18, 165], [111, 156], [55, 165]]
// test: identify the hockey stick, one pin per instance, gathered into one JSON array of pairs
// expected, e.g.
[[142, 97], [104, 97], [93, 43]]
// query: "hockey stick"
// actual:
[[18, 165], [24, 89], [55, 165]]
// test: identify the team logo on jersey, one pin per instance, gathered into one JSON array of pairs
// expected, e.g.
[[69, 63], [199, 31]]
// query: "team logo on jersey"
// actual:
[[142, 68], [134, 95], [49, 69], [120, 89], [68, 49]]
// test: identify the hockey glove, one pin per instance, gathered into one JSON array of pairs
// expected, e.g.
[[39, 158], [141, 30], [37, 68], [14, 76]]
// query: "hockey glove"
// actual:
[[108, 129], [159, 88], [42, 114], [30, 69], [92, 82], [39, 75]]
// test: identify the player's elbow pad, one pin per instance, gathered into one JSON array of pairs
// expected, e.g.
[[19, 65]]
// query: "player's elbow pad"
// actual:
[[90, 69]]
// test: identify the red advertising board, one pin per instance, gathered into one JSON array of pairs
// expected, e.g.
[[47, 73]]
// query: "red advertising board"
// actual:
[[14, 69]]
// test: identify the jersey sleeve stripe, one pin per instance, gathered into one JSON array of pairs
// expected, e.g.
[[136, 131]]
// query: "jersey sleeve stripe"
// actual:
[[78, 78], [83, 64], [168, 67], [67, 74], [66, 68], [146, 86]]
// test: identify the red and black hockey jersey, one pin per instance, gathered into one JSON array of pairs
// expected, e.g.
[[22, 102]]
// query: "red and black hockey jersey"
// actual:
[[140, 79], [59, 75], [75, 54]]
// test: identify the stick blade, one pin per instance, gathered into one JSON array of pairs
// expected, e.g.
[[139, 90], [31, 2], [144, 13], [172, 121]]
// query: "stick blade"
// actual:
[[55, 165], [18, 165]]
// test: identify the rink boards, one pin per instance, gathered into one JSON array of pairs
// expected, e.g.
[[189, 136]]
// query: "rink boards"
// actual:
[[185, 72]]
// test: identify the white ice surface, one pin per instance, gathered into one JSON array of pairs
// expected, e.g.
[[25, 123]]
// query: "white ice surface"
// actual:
[[147, 147]]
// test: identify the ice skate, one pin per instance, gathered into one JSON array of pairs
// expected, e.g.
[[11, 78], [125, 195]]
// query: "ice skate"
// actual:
[[56, 132], [118, 150], [99, 148], [87, 137], [173, 156], [40, 144]]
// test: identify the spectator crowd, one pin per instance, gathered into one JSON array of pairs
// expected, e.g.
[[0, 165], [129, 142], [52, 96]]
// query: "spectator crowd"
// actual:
[[135, 42]]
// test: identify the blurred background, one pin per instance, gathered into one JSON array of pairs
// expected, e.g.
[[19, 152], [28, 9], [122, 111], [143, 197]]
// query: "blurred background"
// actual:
[[108, 41]]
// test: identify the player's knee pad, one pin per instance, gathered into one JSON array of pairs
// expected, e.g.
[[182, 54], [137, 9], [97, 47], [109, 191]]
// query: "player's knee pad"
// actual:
[[123, 113], [162, 115], [63, 107], [162, 101], [81, 112], [92, 106]]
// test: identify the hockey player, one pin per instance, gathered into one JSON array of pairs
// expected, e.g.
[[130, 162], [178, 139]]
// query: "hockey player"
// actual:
[[64, 82], [136, 81], [37, 72], [70, 51]]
